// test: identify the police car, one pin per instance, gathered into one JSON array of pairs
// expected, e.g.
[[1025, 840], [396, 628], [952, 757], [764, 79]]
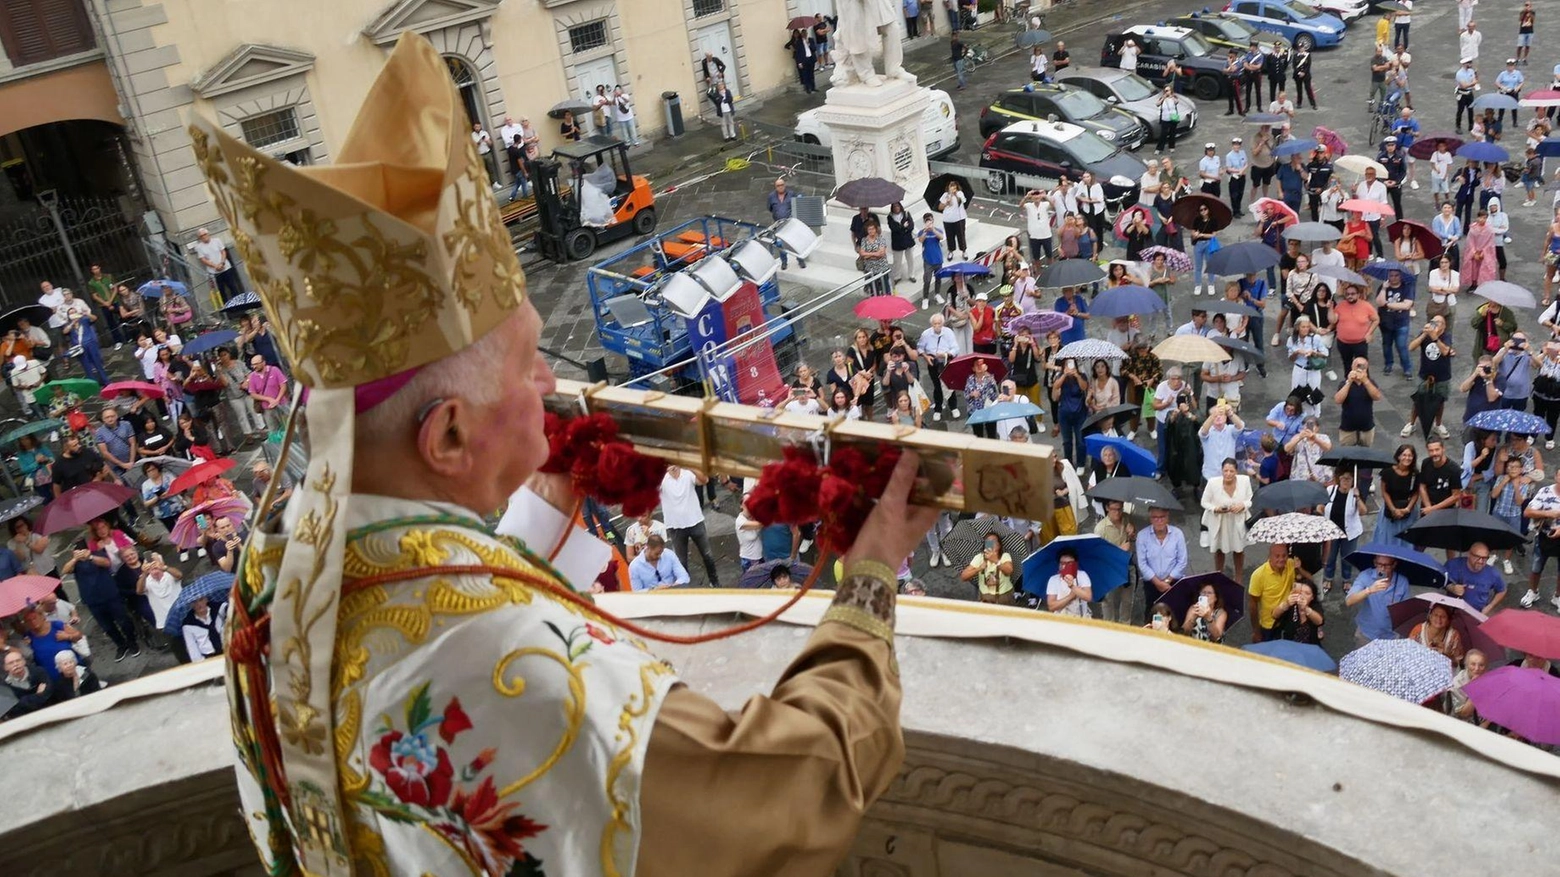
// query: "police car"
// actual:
[[1060, 150], [1202, 65], [1067, 104], [1303, 24], [1225, 31]]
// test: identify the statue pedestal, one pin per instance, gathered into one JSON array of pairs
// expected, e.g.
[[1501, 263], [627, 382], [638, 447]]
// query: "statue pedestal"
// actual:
[[876, 132]]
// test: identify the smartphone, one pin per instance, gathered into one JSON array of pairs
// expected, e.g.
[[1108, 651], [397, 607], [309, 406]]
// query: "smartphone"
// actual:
[[1159, 622], [1202, 600], [200, 521]]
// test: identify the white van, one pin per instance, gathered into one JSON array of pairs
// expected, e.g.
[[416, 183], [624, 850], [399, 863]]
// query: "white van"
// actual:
[[939, 125]]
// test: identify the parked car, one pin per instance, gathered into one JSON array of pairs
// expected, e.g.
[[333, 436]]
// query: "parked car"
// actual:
[[1060, 150], [1067, 104], [1201, 63], [1130, 92], [1225, 31], [1303, 24], [939, 125]]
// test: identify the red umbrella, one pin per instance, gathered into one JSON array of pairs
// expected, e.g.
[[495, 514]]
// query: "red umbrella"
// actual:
[[1526, 630], [77, 506], [1466, 620], [1425, 146], [960, 368], [884, 307], [196, 475], [19, 592], [1360, 205], [1422, 233], [801, 22], [123, 388]]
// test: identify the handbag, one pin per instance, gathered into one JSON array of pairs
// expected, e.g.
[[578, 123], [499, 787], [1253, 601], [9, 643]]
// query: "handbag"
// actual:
[[1212, 246]]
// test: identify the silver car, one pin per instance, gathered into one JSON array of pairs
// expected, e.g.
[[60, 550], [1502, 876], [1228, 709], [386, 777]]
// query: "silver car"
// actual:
[[1131, 92]]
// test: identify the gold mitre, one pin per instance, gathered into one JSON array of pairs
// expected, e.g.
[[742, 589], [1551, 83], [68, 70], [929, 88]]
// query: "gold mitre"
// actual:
[[390, 259]]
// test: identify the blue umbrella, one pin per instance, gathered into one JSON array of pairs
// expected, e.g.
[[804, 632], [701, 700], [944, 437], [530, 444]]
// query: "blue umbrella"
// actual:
[[154, 288], [1265, 118], [1379, 270], [1126, 301], [1418, 567], [208, 342], [1497, 102], [1481, 151], [1138, 460], [1308, 655], [1549, 147], [214, 586], [1510, 420], [1105, 563], [1005, 411], [972, 269], [1298, 146], [244, 301], [1246, 257]]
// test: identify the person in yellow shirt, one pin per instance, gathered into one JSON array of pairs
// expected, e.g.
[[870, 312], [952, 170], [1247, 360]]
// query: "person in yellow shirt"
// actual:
[[1270, 585], [1384, 30]]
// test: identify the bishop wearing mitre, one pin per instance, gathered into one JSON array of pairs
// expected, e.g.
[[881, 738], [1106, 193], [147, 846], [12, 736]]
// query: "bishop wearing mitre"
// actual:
[[410, 693]]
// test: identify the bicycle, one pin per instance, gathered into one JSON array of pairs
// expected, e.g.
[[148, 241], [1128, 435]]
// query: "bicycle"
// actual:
[[1383, 116]]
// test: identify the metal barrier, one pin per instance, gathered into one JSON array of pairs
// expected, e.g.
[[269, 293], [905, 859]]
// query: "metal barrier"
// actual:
[[59, 239]]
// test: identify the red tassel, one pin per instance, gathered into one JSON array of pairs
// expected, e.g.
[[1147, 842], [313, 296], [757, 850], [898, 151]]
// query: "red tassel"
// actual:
[[601, 465], [839, 496]]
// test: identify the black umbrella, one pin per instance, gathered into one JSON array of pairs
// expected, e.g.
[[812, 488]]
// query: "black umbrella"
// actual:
[[1354, 457], [939, 186], [15, 508], [869, 192], [1110, 413], [38, 315], [1246, 257], [1290, 496], [1456, 529], [1428, 405], [1185, 210], [1137, 490], [1237, 345], [572, 105], [1069, 272]]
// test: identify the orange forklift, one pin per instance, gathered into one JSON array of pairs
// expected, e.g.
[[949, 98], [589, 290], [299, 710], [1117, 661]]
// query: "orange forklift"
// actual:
[[585, 195]]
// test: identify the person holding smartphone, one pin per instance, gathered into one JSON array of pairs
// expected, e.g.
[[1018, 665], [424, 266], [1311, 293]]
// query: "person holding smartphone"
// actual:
[[992, 572], [1070, 590], [1373, 591]]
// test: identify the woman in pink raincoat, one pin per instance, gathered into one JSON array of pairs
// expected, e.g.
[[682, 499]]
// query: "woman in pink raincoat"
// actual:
[[1478, 253]]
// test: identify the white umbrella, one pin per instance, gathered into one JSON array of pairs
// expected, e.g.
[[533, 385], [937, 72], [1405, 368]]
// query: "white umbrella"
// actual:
[[1190, 348], [1508, 294], [1091, 348], [1356, 164], [1294, 528]]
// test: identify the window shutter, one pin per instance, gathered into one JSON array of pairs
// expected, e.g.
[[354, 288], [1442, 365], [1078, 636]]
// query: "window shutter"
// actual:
[[40, 30]]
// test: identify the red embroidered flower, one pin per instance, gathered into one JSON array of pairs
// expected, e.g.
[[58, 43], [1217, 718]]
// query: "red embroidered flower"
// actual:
[[600, 635], [494, 830], [417, 772], [483, 759], [455, 721]]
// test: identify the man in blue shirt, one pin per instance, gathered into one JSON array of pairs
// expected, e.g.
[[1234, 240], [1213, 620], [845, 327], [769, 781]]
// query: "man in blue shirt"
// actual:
[[1161, 558], [1285, 420], [1373, 591], [101, 594], [1475, 580], [1509, 82], [655, 567], [1467, 80], [115, 440], [1235, 163], [1209, 170], [1406, 130], [1251, 66], [1078, 308], [780, 209]]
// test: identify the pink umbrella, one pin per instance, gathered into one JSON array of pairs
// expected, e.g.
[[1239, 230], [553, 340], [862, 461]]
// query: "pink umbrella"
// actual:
[[884, 307], [1525, 700], [1269, 205], [187, 530], [1330, 139], [1360, 205], [19, 592], [1175, 260], [1544, 97], [1465, 619], [77, 506], [123, 388]]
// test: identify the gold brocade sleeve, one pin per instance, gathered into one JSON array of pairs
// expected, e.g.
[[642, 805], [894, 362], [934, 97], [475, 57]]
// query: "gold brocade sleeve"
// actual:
[[780, 788]]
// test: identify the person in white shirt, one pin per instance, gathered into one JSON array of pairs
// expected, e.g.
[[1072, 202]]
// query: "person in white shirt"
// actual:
[[507, 133], [1070, 590], [804, 400], [213, 255], [938, 344], [1372, 189], [1468, 41], [1038, 217], [160, 585], [1090, 196], [623, 114], [1327, 254], [53, 299], [203, 630], [484, 142], [684, 517], [1129, 55], [750, 546], [1039, 64], [951, 205], [643, 528]]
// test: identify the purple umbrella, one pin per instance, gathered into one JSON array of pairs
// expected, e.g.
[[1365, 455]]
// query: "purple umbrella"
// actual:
[[1175, 260], [1406, 614], [1040, 323], [1524, 699]]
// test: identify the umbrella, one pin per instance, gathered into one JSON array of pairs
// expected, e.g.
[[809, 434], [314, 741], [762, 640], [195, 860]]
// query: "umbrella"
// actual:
[[1267, 205], [1307, 655], [1028, 39], [1105, 563], [1399, 667], [18, 506], [1355, 457], [1069, 272], [81, 388], [1175, 260], [1428, 241], [1265, 118], [1358, 164], [1186, 208], [1500, 292], [214, 586], [1190, 348], [125, 388], [1456, 529], [34, 428], [1290, 496], [1006, 411], [19, 592], [881, 307], [1380, 270], [1138, 460], [176, 465], [1510, 420], [1137, 490], [1311, 231], [1524, 700], [1294, 529], [1090, 348], [1544, 97], [969, 269], [187, 530], [1183, 594], [801, 22], [1499, 103], [1526, 630], [1126, 301], [964, 540], [1330, 139], [937, 186], [1237, 345], [154, 288], [573, 105], [200, 474], [1427, 144], [960, 368], [1360, 205], [1419, 568], [1478, 150], [38, 315], [758, 575], [1246, 257], [77, 506], [1340, 273], [244, 301], [1040, 323], [1109, 413], [1297, 146], [208, 342], [1406, 614], [869, 192]]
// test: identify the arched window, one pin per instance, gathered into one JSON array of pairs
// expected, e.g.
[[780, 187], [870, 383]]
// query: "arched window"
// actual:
[[465, 79]]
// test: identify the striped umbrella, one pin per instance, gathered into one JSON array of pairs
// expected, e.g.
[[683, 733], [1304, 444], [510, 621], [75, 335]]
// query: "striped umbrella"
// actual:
[[214, 586], [1090, 348], [187, 530]]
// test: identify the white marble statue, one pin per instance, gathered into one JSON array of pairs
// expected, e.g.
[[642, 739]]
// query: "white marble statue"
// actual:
[[864, 26]]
